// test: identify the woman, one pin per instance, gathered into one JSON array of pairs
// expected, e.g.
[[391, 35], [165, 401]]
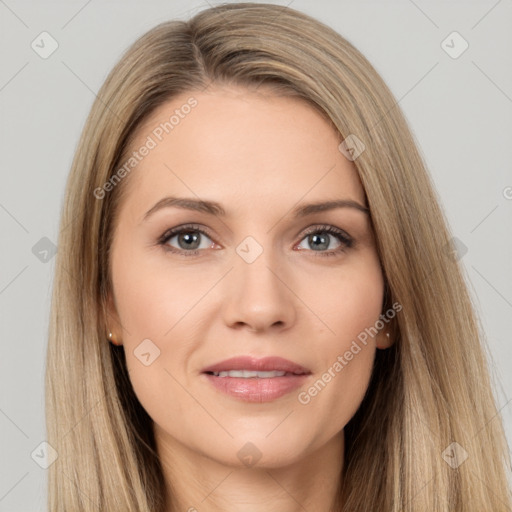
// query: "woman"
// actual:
[[245, 371]]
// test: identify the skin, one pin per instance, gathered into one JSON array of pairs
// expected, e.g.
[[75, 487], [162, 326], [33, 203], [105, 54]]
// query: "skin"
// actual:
[[260, 156]]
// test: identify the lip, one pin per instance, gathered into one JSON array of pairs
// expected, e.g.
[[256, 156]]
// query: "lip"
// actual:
[[257, 389], [265, 364]]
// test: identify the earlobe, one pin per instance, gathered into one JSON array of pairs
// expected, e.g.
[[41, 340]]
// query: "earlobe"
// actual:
[[113, 339], [384, 340], [111, 322], [386, 337]]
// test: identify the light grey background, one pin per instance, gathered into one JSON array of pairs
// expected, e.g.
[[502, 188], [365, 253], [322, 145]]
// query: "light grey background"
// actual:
[[458, 108]]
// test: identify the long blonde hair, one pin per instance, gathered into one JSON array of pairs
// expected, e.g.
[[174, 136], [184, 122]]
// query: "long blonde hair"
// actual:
[[431, 389]]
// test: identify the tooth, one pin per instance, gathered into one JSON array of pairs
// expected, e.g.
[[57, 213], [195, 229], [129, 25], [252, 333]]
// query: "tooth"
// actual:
[[247, 374]]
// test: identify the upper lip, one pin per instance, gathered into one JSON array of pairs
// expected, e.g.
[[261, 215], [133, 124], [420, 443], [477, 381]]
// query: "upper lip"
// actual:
[[265, 364]]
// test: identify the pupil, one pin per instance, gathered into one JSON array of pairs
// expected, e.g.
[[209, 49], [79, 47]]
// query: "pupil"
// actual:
[[187, 237], [324, 241]]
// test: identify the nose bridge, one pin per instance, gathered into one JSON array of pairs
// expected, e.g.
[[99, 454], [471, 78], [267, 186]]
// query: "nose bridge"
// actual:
[[255, 264], [258, 295]]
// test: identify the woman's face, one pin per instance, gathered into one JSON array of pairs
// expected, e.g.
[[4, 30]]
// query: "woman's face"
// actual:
[[256, 281]]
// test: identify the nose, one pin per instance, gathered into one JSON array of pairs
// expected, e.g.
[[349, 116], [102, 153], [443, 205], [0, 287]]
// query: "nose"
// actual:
[[258, 296]]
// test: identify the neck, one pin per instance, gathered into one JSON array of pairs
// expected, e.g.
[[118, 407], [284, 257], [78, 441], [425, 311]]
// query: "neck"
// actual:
[[197, 483]]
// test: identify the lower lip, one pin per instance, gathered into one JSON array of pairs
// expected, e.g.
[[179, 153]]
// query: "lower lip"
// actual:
[[255, 389]]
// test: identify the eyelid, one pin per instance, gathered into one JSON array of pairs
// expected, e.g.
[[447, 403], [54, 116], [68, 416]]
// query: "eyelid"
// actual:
[[184, 227], [329, 228]]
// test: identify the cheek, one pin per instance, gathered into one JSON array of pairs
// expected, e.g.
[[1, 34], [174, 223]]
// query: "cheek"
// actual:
[[157, 306], [347, 348], [346, 300], [151, 298], [335, 395]]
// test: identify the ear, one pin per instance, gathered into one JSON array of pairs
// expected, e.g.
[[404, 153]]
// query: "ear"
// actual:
[[112, 322]]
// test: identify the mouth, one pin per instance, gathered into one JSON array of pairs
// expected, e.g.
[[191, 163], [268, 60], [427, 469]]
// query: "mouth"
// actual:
[[251, 366], [256, 380]]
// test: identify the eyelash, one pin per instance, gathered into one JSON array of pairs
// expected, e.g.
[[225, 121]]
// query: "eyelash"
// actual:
[[346, 241]]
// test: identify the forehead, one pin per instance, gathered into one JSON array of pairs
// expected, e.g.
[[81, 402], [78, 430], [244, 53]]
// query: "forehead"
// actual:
[[235, 145]]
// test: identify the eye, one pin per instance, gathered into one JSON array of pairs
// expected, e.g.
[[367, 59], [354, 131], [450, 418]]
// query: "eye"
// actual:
[[320, 238], [188, 239]]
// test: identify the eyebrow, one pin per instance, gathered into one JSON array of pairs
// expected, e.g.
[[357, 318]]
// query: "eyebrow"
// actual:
[[213, 208]]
